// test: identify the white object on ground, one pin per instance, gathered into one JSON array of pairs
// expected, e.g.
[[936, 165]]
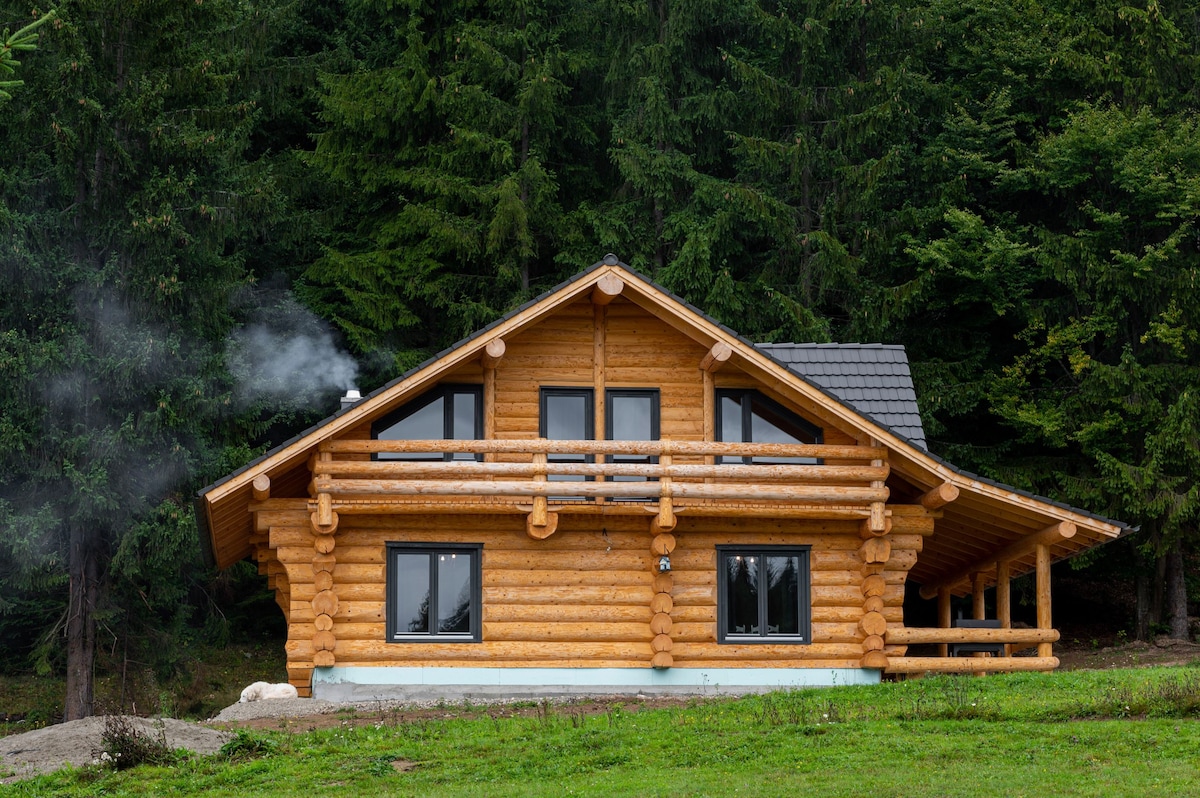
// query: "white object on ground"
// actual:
[[262, 691]]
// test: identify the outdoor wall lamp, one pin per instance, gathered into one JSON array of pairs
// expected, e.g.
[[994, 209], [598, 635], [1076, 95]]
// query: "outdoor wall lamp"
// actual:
[[664, 564]]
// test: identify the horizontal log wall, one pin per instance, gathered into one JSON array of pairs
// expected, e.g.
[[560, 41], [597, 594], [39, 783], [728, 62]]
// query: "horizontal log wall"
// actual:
[[583, 597]]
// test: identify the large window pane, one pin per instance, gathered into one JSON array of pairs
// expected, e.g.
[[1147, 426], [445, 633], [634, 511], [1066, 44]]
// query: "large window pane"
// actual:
[[426, 423], [783, 589], [741, 594], [746, 416], [567, 416], [450, 411], [412, 592], [454, 592], [632, 415]]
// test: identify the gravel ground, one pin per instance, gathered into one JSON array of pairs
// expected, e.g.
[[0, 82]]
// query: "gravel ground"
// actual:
[[77, 743]]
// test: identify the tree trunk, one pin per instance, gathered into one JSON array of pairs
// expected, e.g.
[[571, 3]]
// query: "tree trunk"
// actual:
[[1142, 620], [84, 570], [1175, 606]]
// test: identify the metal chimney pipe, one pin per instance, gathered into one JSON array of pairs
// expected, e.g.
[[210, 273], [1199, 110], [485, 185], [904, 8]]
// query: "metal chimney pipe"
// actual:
[[351, 398]]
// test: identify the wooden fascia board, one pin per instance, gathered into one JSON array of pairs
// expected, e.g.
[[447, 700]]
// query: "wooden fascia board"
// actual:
[[414, 383], [906, 459]]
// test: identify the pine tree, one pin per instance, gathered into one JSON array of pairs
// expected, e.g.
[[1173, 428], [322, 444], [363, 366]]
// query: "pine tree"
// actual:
[[127, 195]]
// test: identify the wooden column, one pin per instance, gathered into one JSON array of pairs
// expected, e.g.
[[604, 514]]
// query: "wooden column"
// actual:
[[944, 617], [661, 604], [599, 384], [490, 359], [1004, 599], [325, 603], [978, 603], [1044, 617]]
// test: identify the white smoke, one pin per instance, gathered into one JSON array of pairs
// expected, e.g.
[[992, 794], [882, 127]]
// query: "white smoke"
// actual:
[[287, 355]]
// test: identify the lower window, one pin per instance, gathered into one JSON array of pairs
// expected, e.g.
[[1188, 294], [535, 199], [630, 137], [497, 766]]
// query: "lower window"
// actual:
[[434, 592], [763, 594]]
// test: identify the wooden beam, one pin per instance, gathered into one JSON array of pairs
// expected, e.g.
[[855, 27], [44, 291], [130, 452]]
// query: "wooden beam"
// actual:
[[1044, 615], [607, 288], [817, 494], [1052, 534], [493, 353], [718, 355], [545, 530], [913, 635], [970, 664], [939, 497], [402, 469], [261, 488], [527, 446]]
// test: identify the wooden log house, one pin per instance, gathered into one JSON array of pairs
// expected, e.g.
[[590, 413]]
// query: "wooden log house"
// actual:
[[609, 491]]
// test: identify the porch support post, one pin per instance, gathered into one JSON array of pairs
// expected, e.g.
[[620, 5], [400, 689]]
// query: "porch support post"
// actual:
[[1044, 617], [978, 605], [1004, 600], [943, 599]]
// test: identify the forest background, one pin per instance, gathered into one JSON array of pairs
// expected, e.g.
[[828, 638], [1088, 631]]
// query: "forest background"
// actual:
[[216, 215]]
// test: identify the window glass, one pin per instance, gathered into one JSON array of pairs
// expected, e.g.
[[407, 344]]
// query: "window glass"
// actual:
[[632, 415], [762, 595], [454, 592], [741, 593], [451, 411], [783, 588], [411, 579], [746, 416], [567, 416]]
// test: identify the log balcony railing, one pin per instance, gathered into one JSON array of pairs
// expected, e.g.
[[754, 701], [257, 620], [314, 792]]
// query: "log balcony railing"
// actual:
[[1010, 639], [526, 476]]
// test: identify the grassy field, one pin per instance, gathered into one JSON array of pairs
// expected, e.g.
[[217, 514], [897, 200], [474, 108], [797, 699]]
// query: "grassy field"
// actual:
[[1086, 733]]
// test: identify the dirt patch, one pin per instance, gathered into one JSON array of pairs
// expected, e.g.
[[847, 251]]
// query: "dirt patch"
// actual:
[[79, 742], [1162, 652]]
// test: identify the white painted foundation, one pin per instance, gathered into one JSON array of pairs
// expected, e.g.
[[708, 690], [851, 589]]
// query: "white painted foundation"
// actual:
[[387, 683]]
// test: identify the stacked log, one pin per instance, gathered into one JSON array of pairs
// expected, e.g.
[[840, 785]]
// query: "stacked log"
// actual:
[[875, 551], [661, 605], [325, 602]]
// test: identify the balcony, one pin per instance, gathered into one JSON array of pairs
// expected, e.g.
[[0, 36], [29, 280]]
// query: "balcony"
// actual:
[[530, 476]]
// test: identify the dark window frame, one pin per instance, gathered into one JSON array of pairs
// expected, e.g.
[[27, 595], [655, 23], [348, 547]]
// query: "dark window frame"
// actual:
[[655, 397], [424, 400], [395, 635], [804, 596], [747, 397]]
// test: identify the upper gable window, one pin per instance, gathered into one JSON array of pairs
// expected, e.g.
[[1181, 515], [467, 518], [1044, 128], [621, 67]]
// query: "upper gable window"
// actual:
[[567, 415], [631, 414], [450, 412], [746, 416]]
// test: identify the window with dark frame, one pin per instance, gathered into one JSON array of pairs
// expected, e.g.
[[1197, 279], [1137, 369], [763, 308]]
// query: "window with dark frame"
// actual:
[[567, 414], [434, 592], [631, 414], [448, 412], [746, 416], [763, 594]]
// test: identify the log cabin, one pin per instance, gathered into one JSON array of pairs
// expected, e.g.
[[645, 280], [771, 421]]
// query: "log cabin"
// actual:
[[608, 491]]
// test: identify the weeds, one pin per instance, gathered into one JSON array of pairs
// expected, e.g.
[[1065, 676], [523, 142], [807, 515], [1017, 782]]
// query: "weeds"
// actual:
[[124, 745], [248, 745]]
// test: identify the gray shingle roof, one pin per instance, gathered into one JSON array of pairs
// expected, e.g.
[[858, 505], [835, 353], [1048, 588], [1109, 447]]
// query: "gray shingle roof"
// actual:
[[872, 378]]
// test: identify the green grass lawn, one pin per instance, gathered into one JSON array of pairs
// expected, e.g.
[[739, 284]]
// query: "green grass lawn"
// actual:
[[1087, 733]]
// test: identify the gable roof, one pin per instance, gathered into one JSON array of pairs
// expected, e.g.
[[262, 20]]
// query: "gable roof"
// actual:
[[872, 378], [987, 517]]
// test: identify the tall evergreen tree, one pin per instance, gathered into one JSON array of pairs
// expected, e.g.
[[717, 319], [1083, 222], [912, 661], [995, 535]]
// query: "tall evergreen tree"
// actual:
[[128, 196], [446, 138]]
